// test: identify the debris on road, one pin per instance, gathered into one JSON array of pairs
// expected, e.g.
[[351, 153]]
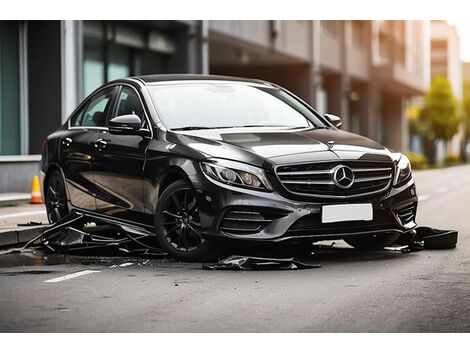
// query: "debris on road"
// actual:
[[436, 239], [82, 232], [429, 238], [236, 262]]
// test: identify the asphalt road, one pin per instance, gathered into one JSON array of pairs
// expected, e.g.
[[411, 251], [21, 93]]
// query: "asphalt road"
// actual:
[[353, 291]]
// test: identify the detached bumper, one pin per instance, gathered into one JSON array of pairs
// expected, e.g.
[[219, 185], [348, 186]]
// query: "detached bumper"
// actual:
[[233, 213]]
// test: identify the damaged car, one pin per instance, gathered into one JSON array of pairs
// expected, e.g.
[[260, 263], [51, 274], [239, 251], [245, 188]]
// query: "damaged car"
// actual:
[[205, 162]]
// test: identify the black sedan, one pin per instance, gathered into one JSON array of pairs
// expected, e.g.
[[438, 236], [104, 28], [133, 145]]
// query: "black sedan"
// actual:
[[207, 160]]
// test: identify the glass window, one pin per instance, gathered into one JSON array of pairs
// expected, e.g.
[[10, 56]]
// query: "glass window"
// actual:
[[118, 65], [229, 104], [95, 114], [10, 125], [93, 66], [76, 120], [129, 104]]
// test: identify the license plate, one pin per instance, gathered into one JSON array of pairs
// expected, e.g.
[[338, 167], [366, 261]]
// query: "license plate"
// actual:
[[346, 212]]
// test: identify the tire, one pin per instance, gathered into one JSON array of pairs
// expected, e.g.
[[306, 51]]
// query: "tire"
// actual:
[[374, 242], [177, 224], [55, 197]]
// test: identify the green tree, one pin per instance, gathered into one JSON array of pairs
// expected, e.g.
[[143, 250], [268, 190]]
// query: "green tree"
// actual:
[[439, 116], [466, 108]]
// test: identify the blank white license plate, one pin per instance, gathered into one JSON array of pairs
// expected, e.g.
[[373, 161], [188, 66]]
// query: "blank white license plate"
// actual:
[[346, 212]]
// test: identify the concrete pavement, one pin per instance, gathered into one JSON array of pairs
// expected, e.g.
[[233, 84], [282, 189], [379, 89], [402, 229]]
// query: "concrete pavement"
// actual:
[[353, 291]]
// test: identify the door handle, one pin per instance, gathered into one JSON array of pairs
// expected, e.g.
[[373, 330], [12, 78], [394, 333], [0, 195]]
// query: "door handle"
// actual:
[[100, 144], [66, 141]]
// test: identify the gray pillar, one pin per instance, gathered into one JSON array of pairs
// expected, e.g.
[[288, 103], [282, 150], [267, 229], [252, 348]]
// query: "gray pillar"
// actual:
[[198, 52], [315, 71], [368, 110], [72, 65], [338, 88], [24, 99], [395, 124], [205, 47]]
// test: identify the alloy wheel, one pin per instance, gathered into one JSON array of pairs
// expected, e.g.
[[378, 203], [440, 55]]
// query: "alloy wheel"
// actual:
[[181, 222], [56, 198]]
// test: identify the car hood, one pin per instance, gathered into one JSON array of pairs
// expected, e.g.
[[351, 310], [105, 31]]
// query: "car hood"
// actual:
[[278, 146]]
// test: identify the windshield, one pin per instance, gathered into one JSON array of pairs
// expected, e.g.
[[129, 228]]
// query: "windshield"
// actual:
[[227, 105]]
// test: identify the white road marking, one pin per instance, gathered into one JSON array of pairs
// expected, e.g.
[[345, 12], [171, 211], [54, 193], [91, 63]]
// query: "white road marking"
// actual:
[[125, 264], [442, 190], [26, 213], [72, 276], [423, 197]]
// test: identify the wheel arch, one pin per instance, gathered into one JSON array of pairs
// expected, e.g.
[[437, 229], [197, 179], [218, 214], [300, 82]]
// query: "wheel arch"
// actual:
[[172, 175], [50, 169]]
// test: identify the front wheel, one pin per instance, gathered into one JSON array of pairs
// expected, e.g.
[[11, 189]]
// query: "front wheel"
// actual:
[[374, 242], [55, 197], [178, 225]]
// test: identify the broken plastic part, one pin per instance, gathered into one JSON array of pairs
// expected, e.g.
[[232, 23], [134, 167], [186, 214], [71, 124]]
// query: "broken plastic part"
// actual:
[[79, 232], [236, 262], [436, 239], [428, 238]]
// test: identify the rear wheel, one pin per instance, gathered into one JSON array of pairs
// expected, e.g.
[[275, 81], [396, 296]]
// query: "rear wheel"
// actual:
[[178, 225], [55, 197], [374, 242]]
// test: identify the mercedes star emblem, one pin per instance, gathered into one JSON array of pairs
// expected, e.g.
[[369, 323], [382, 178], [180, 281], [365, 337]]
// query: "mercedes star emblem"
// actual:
[[343, 176]]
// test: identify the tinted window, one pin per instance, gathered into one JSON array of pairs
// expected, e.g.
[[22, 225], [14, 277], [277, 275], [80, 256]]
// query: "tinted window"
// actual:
[[227, 104], [95, 114], [76, 119], [129, 104]]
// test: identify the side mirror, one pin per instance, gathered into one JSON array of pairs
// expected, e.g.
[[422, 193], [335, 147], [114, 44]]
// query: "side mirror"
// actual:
[[335, 120], [125, 125]]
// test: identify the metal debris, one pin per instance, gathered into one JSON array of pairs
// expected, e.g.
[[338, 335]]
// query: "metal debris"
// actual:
[[236, 262], [82, 232]]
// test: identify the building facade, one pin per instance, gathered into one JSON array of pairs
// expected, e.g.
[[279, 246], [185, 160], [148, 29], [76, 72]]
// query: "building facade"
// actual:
[[363, 71], [445, 61]]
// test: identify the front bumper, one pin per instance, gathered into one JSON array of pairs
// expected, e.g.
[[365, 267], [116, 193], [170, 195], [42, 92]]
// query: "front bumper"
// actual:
[[241, 214]]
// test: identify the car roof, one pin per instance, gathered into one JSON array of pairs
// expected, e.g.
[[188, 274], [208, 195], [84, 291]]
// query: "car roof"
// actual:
[[149, 79]]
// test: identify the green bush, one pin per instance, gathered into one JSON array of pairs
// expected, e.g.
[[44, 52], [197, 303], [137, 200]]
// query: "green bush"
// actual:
[[451, 160], [418, 160]]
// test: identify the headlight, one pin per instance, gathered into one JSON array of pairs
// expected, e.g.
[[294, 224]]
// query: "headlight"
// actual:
[[236, 174], [403, 169]]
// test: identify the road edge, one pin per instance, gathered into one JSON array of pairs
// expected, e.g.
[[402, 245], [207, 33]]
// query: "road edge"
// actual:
[[20, 235]]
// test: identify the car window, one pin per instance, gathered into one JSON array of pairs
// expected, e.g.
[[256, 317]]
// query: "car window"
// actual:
[[95, 114], [76, 119], [226, 104], [128, 103]]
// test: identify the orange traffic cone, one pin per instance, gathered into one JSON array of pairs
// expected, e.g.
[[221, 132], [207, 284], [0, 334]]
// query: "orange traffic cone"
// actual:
[[36, 191]]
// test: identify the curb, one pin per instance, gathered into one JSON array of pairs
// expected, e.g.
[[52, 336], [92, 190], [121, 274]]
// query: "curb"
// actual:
[[19, 235]]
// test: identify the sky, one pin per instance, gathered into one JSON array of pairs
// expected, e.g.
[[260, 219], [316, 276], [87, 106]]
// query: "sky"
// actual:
[[463, 28]]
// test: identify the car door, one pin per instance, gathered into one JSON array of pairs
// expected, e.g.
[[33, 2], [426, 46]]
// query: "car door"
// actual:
[[77, 148], [118, 162]]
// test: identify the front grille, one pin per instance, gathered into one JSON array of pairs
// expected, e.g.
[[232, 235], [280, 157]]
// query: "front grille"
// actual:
[[316, 179], [407, 213], [237, 221]]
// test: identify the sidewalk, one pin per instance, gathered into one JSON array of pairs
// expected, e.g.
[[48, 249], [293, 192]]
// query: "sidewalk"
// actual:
[[10, 217]]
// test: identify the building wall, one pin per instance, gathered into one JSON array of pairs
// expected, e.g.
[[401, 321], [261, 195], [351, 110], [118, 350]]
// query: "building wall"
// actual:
[[445, 55], [445, 61]]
